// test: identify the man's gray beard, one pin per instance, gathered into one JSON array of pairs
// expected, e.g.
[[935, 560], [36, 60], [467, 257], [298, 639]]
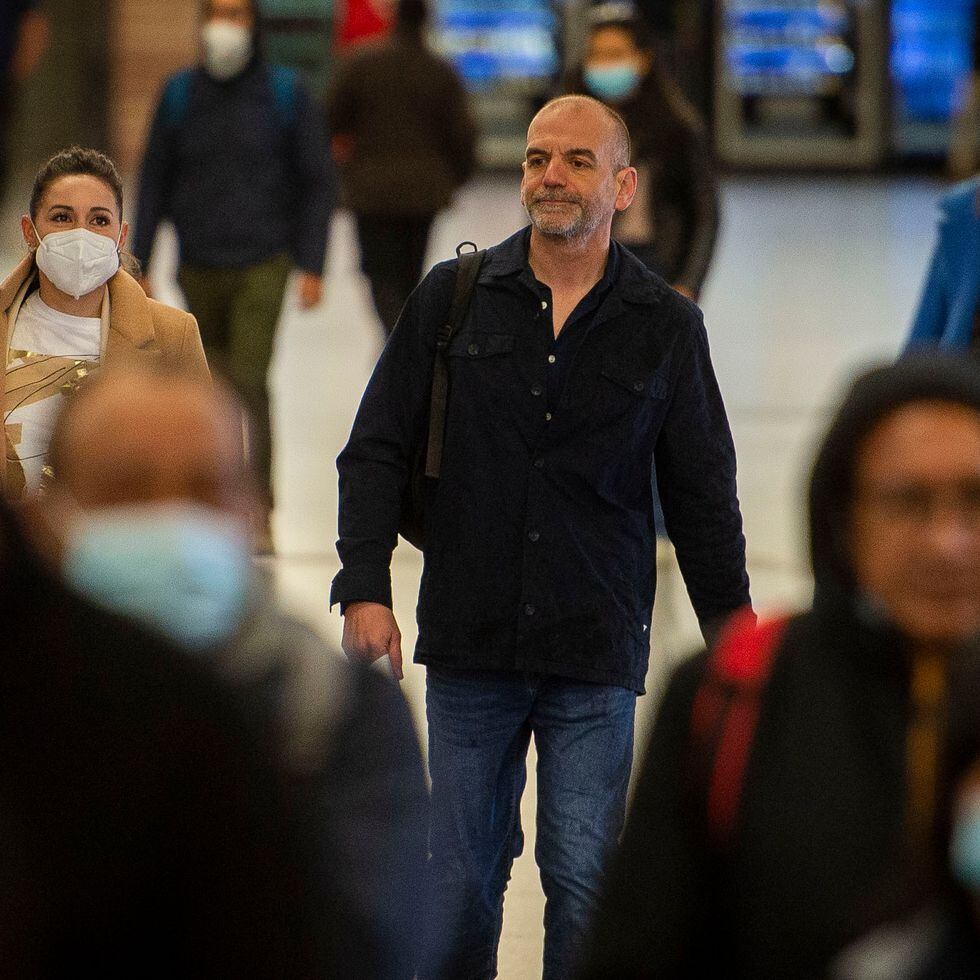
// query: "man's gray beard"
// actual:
[[581, 227]]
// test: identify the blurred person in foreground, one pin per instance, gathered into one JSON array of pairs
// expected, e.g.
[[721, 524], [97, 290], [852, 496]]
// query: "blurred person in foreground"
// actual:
[[672, 224], [840, 772], [146, 830], [237, 158], [70, 307], [948, 316], [151, 516], [24, 33], [575, 366], [939, 939], [404, 136]]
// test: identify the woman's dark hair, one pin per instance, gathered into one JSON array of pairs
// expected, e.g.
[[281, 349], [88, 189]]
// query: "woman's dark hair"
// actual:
[[90, 163], [73, 161], [623, 17]]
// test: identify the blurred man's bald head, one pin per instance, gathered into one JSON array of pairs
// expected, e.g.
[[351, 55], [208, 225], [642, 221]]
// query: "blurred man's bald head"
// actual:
[[137, 436]]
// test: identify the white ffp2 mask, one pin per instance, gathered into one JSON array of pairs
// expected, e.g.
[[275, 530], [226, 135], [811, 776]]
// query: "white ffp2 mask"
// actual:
[[77, 261], [227, 49]]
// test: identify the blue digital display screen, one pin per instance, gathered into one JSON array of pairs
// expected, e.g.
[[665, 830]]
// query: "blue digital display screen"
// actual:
[[930, 55], [789, 48], [493, 41]]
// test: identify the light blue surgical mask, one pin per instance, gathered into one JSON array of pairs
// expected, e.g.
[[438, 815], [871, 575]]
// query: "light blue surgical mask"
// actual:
[[964, 848], [612, 83], [178, 567]]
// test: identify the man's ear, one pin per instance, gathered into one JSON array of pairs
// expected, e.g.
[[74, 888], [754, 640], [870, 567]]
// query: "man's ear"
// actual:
[[123, 234], [627, 187]]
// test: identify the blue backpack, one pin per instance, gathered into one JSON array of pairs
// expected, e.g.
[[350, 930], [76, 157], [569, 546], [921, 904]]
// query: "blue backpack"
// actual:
[[283, 81]]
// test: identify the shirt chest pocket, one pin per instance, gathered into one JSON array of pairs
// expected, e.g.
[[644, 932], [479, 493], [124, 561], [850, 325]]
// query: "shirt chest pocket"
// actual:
[[629, 383], [629, 404], [481, 370]]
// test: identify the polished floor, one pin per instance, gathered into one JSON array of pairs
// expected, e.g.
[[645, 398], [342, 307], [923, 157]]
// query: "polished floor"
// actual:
[[813, 279]]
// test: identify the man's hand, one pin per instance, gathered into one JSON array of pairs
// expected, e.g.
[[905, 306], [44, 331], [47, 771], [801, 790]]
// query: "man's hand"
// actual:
[[310, 290], [370, 633]]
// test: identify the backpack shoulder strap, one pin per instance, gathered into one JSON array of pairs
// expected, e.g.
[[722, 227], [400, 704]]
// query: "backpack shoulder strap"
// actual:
[[726, 712], [284, 82], [177, 97], [467, 273]]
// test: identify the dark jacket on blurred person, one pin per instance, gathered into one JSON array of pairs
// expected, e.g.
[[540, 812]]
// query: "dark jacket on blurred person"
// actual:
[[348, 741], [940, 939], [950, 306], [821, 835], [406, 142], [144, 830], [242, 169], [672, 224]]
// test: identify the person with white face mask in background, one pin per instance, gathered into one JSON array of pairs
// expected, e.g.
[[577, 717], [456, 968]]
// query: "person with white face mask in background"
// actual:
[[238, 159], [69, 308], [150, 517]]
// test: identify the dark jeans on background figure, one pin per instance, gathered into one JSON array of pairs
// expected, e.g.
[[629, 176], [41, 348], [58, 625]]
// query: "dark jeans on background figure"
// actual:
[[392, 257], [237, 311], [480, 726]]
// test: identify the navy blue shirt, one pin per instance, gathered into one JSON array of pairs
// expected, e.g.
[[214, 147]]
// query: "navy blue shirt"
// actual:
[[242, 178], [540, 543]]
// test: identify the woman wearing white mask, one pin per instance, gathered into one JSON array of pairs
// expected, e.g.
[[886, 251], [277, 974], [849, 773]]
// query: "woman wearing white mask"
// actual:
[[69, 307]]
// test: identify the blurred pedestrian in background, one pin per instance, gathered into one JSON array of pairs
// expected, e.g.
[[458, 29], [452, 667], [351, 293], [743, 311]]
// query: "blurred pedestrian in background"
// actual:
[[237, 158], [940, 938], [146, 831], [949, 311], [69, 307], [23, 40], [151, 516], [406, 142], [672, 224], [771, 812]]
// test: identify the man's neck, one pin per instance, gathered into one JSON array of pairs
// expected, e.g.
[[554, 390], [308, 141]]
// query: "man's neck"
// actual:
[[567, 264]]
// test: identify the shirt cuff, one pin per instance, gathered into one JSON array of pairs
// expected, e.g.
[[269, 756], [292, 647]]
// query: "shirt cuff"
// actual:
[[364, 584]]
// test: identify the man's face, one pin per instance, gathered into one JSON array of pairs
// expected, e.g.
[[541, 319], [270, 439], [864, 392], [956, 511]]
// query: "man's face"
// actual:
[[156, 445], [237, 12], [915, 523], [572, 183]]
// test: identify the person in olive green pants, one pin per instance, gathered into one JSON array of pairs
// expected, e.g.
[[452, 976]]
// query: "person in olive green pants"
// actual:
[[237, 312]]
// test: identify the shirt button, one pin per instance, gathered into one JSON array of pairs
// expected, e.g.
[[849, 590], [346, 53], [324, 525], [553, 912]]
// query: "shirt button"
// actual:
[[544, 304], [529, 610], [537, 390], [547, 416], [533, 535], [638, 386], [473, 349], [539, 463], [552, 358]]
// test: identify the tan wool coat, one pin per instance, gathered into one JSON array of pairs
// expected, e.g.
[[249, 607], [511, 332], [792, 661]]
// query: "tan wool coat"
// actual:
[[133, 326]]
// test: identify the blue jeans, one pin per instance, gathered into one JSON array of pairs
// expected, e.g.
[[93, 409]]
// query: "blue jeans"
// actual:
[[480, 725]]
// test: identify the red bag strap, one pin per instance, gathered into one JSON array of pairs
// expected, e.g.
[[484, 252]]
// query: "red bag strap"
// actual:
[[726, 711]]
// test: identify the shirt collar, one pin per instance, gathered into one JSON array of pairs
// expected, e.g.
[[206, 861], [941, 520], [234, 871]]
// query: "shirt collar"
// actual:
[[632, 280]]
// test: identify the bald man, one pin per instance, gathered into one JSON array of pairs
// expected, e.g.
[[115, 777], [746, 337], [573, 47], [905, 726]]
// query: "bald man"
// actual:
[[150, 514], [574, 369]]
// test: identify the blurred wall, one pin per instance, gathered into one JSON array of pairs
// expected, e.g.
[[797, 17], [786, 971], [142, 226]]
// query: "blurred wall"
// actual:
[[149, 40], [65, 101]]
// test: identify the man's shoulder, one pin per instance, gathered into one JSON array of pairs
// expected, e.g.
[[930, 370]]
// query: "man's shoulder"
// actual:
[[643, 288]]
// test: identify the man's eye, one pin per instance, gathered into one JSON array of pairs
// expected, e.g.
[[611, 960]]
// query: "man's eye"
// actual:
[[102, 221]]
